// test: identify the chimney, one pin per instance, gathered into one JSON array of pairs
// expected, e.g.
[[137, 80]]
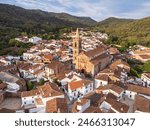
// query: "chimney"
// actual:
[[78, 100], [122, 109], [58, 110]]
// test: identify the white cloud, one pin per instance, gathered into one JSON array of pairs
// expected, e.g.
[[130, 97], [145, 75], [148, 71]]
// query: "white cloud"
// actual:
[[143, 11]]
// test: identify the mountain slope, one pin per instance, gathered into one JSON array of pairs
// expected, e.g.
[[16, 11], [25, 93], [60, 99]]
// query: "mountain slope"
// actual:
[[17, 17], [114, 22], [127, 30]]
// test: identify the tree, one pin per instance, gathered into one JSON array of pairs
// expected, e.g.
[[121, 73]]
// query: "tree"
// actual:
[[30, 85], [1, 81], [20, 52], [146, 67], [133, 72], [41, 82], [12, 42], [56, 82], [24, 33]]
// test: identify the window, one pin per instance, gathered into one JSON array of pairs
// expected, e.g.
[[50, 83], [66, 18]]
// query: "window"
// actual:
[[75, 44]]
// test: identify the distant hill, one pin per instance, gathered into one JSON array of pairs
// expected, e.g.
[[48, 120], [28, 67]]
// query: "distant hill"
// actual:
[[114, 22], [37, 20], [127, 29]]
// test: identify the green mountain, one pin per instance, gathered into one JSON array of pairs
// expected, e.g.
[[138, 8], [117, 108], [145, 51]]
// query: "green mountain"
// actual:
[[113, 22], [127, 30], [34, 20]]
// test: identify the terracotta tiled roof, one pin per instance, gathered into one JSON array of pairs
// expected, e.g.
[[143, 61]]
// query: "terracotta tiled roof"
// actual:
[[35, 66], [56, 105], [94, 52], [30, 93], [3, 86], [114, 50], [144, 56], [142, 51], [103, 77], [79, 84], [98, 59], [92, 109], [80, 102], [39, 101], [60, 76], [38, 72], [95, 99], [48, 56], [147, 75], [8, 67], [49, 90], [138, 89], [107, 71], [113, 87], [83, 101], [120, 107], [54, 65], [111, 111], [141, 104], [115, 64], [4, 110]]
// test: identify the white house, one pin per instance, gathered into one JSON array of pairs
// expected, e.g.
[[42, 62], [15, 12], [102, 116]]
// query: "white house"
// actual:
[[39, 74], [28, 55], [14, 83], [4, 60], [101, 80], [146, 79], [35, 39], [112, 105], [79, 88], [111, 88], [80, 105], [68, 77], [133, 90], [36, 67], [34, 72], [49, 91], [35, 100], [28, 97], [54, 68]]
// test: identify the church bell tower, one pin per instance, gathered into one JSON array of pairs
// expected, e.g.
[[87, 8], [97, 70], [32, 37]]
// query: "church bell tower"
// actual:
[[76, 46]]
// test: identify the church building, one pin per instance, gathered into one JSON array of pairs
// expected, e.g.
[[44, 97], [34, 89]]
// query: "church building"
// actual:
[[90, 62]]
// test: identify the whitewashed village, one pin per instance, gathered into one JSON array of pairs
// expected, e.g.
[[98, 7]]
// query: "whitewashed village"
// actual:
[[81, 75]]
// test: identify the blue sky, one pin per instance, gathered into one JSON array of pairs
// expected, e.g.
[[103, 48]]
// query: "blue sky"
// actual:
[[96, 9]]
